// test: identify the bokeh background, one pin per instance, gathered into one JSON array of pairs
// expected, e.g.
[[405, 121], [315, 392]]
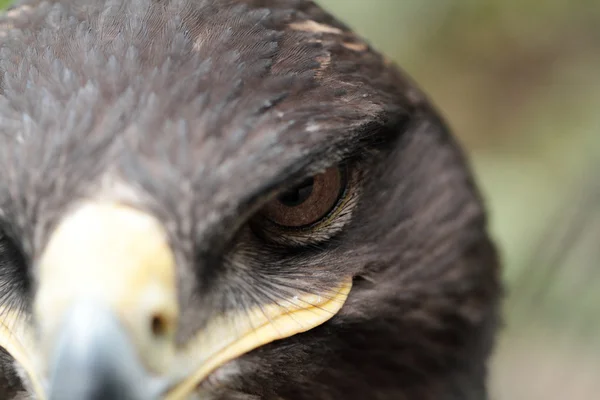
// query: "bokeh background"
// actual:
[[519, 82]]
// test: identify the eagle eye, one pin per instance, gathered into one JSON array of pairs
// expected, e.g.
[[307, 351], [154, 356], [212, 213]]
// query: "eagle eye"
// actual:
[[309, 202]]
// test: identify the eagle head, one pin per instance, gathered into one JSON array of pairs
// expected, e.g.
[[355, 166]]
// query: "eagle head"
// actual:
[[230, 199]]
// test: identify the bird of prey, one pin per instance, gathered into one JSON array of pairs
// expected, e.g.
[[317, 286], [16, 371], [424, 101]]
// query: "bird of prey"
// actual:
[[230, 199]]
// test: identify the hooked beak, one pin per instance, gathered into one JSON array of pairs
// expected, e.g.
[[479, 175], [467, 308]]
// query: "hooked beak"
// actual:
[[106, 314], [95, 359], [106, 305]]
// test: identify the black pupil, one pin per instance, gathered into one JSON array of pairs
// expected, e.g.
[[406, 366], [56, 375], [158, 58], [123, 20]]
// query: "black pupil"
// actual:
[[297, 195]]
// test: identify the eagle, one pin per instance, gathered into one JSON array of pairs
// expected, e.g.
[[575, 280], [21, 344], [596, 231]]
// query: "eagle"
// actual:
[[231, 199]]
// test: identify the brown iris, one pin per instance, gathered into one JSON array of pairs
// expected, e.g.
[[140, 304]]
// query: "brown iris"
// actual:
[[308, 202]]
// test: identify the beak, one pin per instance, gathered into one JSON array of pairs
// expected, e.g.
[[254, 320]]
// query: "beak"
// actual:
[[106, 314], [95, 359], [106, 306]]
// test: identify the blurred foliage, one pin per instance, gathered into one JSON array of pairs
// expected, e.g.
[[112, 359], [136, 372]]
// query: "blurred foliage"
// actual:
[[518, 81]]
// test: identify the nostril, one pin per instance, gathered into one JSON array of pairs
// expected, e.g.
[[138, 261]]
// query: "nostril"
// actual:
[[159, 325]]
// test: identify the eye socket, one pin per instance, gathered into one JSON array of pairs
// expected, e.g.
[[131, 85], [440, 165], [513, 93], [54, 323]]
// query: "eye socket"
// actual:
[[14, 268], [308, 202]]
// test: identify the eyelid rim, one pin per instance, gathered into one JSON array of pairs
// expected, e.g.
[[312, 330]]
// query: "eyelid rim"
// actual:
[[342, 193], [321, 231]]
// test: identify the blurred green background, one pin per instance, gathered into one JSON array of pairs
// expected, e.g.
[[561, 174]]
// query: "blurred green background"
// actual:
[[519, 82]]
